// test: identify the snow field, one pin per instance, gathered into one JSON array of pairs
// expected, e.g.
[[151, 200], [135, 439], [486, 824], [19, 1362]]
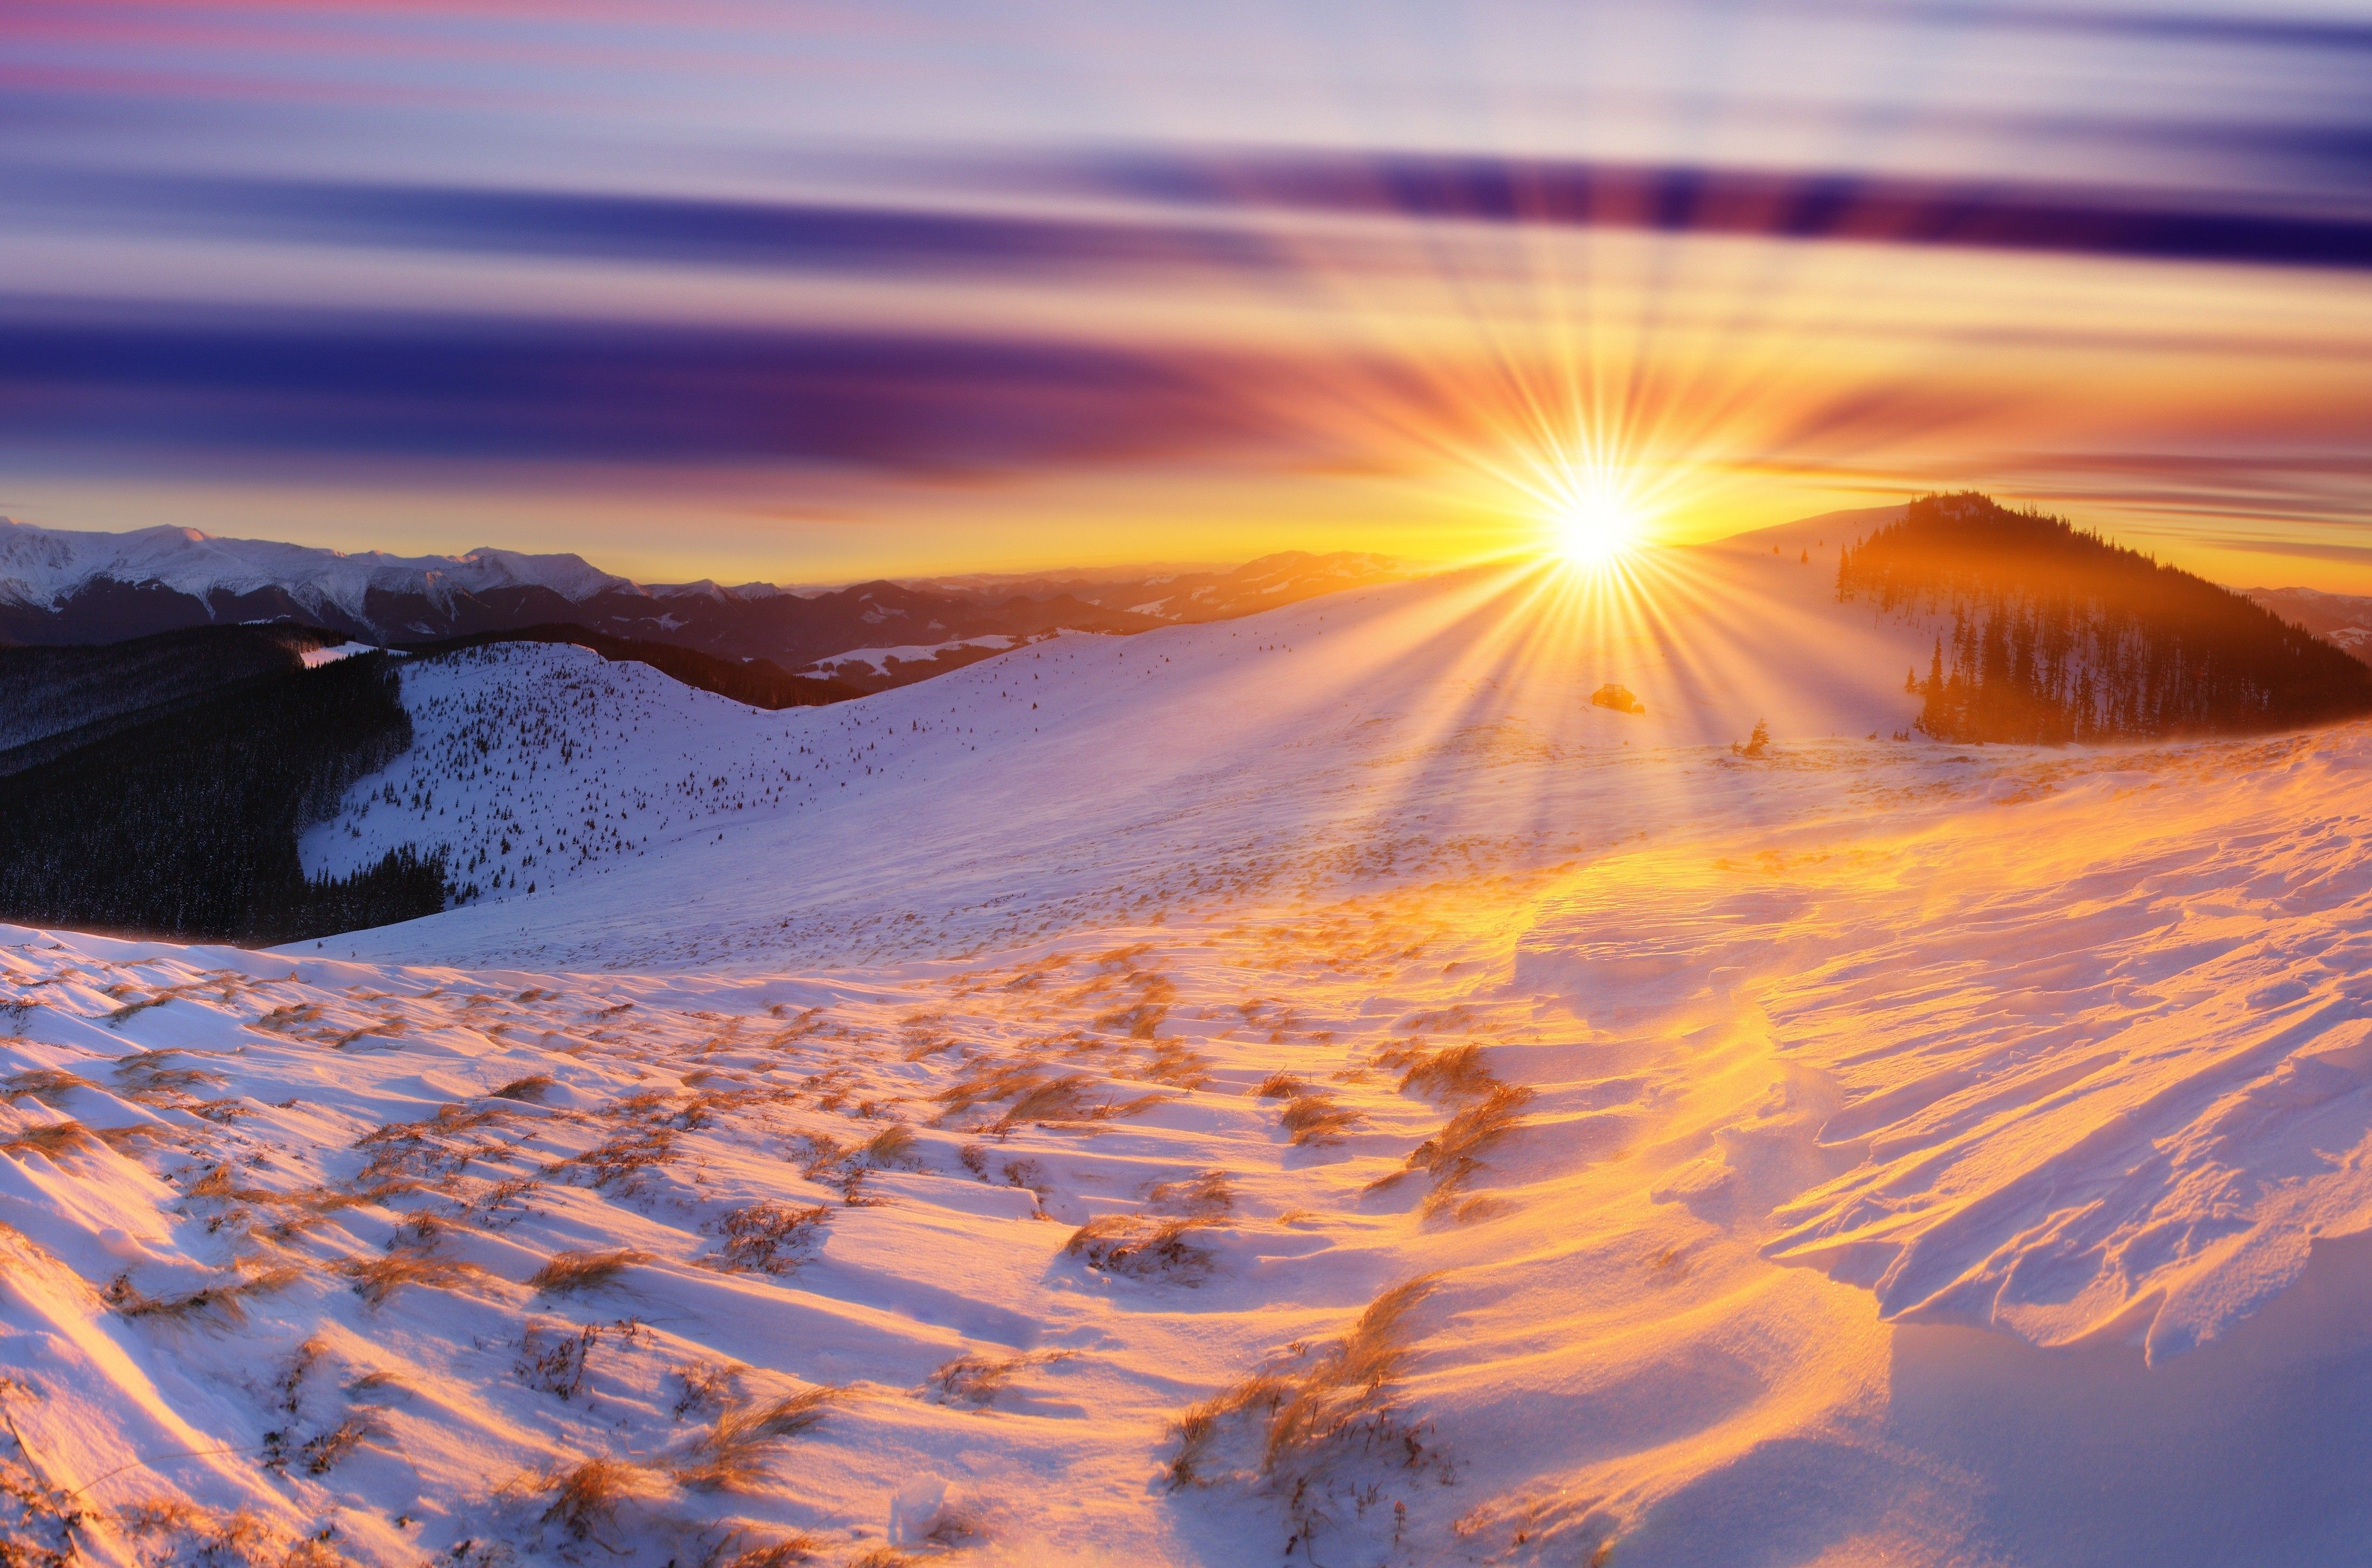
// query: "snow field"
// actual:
[[1467, 1126]]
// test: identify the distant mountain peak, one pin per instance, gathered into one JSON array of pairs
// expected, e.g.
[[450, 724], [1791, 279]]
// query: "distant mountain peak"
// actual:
[[40, 567]]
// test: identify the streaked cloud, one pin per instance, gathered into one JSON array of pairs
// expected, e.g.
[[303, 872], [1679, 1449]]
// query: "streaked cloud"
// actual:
[[1256, 272]]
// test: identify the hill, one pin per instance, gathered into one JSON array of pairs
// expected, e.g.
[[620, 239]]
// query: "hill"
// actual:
[[2057, 635], [1262, 740]]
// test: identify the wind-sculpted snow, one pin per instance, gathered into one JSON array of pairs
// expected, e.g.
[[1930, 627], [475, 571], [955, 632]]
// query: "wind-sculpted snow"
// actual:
[[2121, 1091], [1306, 1091]]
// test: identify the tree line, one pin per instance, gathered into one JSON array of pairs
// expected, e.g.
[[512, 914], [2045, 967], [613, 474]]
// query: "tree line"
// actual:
[[2058, 634]]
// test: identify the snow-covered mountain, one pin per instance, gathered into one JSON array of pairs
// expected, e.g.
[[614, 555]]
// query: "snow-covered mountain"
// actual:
[[1313, 1088], [44, 569], [59, 586]]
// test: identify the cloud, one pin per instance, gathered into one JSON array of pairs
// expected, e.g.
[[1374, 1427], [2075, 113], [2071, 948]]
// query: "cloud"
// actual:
[[304, 384], [1990, 214], [2305, 549], [851, 237], [1225, 194]]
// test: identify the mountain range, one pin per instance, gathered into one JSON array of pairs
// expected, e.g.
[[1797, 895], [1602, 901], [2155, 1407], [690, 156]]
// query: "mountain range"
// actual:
[[65, 586], [2342, 619]]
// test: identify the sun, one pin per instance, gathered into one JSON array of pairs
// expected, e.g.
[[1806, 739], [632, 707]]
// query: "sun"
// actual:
[[1593, 528]]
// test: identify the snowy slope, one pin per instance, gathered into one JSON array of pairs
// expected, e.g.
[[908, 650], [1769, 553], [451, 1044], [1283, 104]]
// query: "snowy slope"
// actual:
[[1318, 1094], [1379, 721]]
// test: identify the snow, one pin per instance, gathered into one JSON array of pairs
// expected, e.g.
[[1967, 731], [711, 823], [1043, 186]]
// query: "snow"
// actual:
[[1878, 1151], [316, 657], [879, 659], [1128, 771], [41, 566]]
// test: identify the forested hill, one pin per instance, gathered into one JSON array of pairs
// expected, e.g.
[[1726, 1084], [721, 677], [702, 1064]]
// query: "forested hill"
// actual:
[[2057, 635], [185, 824], [55, 699]]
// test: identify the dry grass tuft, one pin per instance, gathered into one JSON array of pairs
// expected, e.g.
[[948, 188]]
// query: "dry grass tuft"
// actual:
[[771, 1238], [552, 1357], [224, 1299], [323, 1453], [988, 1080], [502, 1204], [823, 1153], [976, 1380], [1173, 1064], [1200, 1426], [53, 1139], [1062, 1098], [1205, 1195], [1315, 1410], [1037, 1093], [623, 1159], [566, 1272], [1280, 1086], [923, 1044], [375, 1279], [1453, 1155], [122, 1138], [1457, 1072], [133, 1009], [784, 1553], [1068, 1099], [200, 1535], [1141, 1249], [47, 1085], [1314, 1118], [588, 1493], [707, 1384], [731, 1455], [529, 1089], [425, 1231], [381, 1029], [145, 1077], [370, 1384], [1340, 1387], [892, 1148]]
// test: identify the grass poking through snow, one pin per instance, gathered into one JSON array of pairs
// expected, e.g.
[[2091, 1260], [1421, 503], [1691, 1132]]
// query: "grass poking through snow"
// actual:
[[565, 1273], [732, 1453]]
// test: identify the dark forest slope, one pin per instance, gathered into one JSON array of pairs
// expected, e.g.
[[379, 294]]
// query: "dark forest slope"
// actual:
[[186, 825], [2058, 634], [55, 699]]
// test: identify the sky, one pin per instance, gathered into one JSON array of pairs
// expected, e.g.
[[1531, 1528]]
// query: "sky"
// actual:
[[809, 293]]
